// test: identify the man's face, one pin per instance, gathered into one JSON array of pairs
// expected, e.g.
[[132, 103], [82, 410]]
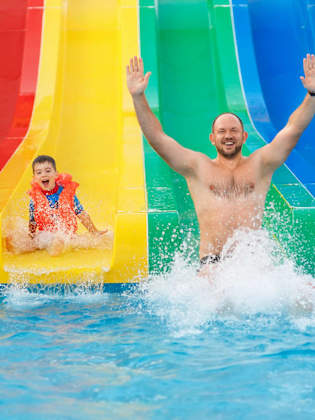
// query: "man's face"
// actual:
[[45, 175], [228, 136]]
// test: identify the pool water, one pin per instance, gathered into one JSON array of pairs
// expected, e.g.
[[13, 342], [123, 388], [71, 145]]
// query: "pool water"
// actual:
[[173, 347]]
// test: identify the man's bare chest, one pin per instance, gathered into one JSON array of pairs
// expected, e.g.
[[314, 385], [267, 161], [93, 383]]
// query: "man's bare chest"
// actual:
[[231, 188], [240, 183]]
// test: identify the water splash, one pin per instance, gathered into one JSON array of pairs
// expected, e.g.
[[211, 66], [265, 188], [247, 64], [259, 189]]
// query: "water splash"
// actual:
[[253, 279], [17, 239], [21, 296]]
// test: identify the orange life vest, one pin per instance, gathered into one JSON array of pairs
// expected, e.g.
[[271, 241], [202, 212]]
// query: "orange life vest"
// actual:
[[62, 218]]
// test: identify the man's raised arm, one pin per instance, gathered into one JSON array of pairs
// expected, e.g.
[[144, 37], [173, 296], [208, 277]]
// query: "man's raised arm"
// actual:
[[275, 153], [177, 156]]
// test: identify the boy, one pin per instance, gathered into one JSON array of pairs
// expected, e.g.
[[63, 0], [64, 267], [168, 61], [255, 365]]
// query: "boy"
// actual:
[[54, 209]]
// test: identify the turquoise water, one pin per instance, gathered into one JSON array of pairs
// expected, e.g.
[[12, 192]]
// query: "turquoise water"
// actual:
[[175, 347]]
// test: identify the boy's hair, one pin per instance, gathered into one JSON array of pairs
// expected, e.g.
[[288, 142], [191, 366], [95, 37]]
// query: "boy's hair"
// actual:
[[42, 159]]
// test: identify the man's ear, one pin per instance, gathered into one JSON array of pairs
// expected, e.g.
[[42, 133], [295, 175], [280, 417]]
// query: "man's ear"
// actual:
[[211, 138], [245, 136]]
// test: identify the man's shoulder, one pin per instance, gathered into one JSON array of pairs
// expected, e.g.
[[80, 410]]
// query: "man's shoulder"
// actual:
[[254, 158], [202, 157], [200, 163]]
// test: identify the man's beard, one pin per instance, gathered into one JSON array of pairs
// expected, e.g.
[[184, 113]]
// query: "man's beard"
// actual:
[[229, 155]]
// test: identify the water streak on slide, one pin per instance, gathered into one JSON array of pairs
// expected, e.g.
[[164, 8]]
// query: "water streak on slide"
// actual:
[[83, 116]]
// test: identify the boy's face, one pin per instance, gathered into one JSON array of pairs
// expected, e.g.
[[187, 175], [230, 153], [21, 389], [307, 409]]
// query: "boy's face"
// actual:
[[45, 175]]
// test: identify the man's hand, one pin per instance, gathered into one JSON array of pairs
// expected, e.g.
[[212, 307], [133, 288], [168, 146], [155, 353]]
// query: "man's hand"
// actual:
[[136, 80], [309, 71], [275, 153]]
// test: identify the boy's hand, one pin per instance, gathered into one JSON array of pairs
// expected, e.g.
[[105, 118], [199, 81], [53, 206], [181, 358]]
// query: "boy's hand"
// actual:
[[100, 232], [32, 229], [136, 80]]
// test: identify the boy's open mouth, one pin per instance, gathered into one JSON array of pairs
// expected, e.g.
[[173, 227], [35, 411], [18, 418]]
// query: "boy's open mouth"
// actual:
[[45, 183]]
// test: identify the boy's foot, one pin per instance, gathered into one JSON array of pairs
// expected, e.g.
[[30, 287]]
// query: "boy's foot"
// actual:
[[56, 247], [9, 244], [19, 244]]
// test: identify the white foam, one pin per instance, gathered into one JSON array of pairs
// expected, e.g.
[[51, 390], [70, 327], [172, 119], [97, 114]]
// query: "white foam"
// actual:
[[253, 279], [18, 296]]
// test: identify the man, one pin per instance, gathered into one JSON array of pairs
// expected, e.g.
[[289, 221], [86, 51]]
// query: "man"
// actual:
[[228, 192]]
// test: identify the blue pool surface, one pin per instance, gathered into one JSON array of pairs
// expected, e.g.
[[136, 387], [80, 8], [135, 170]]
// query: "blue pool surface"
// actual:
[[159, 351]]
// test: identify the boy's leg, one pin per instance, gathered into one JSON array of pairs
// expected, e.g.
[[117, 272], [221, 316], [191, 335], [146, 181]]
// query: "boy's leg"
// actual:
[[57, 246], [87, 240], [53, 242], [20, 243]]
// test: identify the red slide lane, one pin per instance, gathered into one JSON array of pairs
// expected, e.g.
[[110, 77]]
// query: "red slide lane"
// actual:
[[20, 39]]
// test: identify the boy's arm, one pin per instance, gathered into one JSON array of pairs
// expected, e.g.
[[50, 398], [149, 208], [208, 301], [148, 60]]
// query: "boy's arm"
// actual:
[[32, 224], [88, 224], [84, 217], [275, 153], [32, 229]]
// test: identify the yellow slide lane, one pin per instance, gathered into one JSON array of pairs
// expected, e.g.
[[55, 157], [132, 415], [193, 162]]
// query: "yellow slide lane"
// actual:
[[83, 116]]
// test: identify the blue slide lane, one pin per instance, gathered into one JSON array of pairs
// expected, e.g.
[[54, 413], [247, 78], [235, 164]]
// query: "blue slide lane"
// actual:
[[272, 38]]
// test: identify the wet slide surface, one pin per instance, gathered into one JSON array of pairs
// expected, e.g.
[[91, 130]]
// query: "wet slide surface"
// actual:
[[195, 77], [83, 117]]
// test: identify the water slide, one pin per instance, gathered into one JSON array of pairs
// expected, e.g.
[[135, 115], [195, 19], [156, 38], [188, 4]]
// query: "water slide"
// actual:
[[82, 115], [216, 56]]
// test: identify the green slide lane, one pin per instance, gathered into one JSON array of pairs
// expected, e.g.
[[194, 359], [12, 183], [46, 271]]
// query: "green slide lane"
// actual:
[[189, 47]]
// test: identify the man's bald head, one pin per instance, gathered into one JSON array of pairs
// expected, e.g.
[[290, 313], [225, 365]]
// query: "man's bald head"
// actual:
[[227, 113]]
